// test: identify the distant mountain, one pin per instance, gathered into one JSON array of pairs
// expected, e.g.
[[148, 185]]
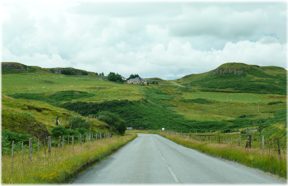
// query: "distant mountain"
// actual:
[[14, 67], [239, 77]]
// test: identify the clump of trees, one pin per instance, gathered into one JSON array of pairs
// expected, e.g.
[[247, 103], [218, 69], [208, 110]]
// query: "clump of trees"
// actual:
[[9, 136], [76, 126], [113, 120], [68, 71], [112, 76], [132, 76]]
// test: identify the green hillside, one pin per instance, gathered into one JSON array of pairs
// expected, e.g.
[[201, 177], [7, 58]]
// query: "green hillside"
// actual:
[[14, 67], [233, 97], [239, 77]]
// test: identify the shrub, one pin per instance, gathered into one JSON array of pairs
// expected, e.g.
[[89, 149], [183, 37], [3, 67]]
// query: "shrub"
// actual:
[[68, 71], [72, 132], [115, 77], [81, 130], [59, 131], [8, 137], [78, 122], [113, 120]]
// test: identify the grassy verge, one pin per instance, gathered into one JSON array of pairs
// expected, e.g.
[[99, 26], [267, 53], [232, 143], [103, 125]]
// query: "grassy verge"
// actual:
[[61, 164], [268, 161]]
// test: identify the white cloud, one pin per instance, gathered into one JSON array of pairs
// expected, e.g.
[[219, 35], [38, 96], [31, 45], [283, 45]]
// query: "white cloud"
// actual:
[[231, 23], [166, 40]]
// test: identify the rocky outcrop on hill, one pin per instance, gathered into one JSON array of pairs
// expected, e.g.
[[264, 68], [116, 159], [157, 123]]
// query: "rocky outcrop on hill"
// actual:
[[237, 69], [13, 67], [229, 71]]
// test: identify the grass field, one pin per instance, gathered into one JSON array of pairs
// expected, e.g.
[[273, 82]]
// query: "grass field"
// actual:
[[44, 85], [212, 102], [61, 165], [266, 160], [172, 101]]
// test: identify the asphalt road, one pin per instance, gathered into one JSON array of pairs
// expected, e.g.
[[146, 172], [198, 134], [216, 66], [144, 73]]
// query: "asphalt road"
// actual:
[[154, 159]]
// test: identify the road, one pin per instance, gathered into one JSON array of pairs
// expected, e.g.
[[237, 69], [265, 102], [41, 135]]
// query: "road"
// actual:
[[153, 159]]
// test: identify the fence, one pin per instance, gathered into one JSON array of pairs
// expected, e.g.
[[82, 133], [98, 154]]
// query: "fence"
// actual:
[[49, 147], [247, 141]]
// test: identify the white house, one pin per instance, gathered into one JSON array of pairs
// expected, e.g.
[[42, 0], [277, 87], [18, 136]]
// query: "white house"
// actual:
[[137, 80]]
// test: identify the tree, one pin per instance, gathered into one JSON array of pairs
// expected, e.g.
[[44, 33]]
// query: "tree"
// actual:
[[112, 76], [78, 122], [132, 76], [113, 120], [59, 131]]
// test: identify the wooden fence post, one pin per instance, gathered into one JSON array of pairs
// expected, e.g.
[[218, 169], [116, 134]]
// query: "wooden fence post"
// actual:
[[239, 140], [44, 145], [73, 141], [30, 149], [49, 145], [262, 142], [12, 158], [38, 145], [249, 141], [278, 147]]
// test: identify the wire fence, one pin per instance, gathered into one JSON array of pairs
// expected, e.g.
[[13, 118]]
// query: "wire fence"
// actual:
[[47, 151], [248, 141]]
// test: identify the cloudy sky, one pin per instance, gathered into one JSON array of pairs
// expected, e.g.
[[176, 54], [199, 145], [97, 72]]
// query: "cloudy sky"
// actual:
[[164, 39]]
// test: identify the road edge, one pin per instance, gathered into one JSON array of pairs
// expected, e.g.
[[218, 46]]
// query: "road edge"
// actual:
[[70, 178], [181, 142]]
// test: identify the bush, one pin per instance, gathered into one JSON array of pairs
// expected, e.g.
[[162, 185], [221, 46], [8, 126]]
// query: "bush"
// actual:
[[113, 120], [8, 137], [81, 131], [78, 122], [68, 71], [59, 131], [115, 77], [72, 132]]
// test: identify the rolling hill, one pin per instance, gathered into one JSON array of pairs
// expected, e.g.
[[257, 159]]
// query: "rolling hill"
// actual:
[[233, 97], [239, 77]]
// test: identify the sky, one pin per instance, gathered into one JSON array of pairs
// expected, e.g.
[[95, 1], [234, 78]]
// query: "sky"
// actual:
[[162, 39]]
